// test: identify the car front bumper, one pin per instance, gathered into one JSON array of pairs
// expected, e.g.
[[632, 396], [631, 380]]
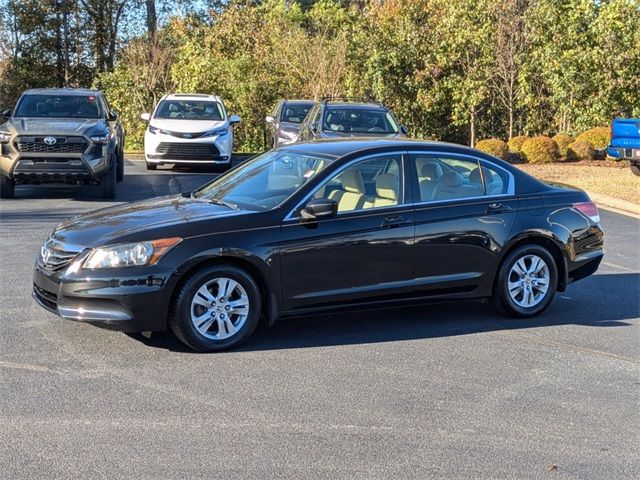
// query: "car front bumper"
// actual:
[[129, 300], [163, 148]]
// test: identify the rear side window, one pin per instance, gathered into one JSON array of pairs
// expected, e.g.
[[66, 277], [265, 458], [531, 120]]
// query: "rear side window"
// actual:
[[496, 181]]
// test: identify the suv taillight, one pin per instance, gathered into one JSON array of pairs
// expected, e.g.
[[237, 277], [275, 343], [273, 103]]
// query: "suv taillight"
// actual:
[[589, 209]]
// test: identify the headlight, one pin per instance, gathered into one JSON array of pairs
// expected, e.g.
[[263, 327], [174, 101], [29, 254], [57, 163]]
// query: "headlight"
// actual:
[[101, 138], [5, 136], [218, 132], [155, 130], [130, 254]]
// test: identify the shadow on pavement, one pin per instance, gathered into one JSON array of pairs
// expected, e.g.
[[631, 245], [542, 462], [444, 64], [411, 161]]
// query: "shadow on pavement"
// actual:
[[616, 307]]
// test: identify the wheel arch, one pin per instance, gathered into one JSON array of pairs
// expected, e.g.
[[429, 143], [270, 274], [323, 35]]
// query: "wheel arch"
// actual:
[[549, 243], [269, 299]]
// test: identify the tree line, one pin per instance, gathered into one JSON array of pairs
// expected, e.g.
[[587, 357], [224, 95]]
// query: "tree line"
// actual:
[[455, 70]]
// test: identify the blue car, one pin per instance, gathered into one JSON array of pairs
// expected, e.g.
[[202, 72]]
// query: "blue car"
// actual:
[[625, 142]]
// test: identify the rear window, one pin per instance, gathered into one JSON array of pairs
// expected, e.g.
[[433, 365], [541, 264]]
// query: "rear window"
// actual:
[[59, 106], [189, 110], [359, 120]]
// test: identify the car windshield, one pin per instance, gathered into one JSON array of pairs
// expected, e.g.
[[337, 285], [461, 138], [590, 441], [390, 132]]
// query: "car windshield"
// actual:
[[359, 120], [295, 112], [58, 106], [265, 181], [189, 110]]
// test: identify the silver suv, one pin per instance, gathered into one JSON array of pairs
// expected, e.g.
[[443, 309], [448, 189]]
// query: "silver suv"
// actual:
[[61, 136]]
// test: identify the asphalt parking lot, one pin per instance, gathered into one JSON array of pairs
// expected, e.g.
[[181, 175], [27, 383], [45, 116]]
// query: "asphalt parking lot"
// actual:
[[440, 391]]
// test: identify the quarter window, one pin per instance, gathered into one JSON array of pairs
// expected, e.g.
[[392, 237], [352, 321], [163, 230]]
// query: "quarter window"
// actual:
[[368, 184]]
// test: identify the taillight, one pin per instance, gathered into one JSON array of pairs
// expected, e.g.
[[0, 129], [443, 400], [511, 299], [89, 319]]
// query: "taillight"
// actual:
[[588, 209]]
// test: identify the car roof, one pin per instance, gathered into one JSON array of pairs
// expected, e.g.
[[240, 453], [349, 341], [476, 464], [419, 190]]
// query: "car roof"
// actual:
[[192, 96], [355, 105], [61, 91], [341, 146], [305, 102]]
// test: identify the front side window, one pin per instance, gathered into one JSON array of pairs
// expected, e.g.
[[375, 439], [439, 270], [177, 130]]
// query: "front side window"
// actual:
[[359, 120], [265, 181], [189, 110], [368, 184], [295, 112], [59, 106]]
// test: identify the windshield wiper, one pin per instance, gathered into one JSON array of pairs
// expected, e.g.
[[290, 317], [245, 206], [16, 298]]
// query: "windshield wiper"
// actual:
[[218, 201]]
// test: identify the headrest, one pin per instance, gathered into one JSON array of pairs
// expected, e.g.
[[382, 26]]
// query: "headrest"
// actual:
[[352, 181], [452, 179], [475, 177], [387, 186], [431, 170], [173, 107]]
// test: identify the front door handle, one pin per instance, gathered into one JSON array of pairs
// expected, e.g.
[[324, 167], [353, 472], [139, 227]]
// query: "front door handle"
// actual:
[[497, 208], [395, 221]]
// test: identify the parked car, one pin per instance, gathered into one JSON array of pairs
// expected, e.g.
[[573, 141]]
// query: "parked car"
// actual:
[[321, 226], [283, 125], [345, 118], [189, 128], [625, 142], [61, 135]]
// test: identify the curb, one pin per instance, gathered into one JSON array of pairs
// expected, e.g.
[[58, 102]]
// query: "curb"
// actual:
[[614, 204]]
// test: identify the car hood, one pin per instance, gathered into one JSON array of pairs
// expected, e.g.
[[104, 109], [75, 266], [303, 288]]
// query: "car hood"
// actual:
[[187, 126], [54, 126], [120, 223]]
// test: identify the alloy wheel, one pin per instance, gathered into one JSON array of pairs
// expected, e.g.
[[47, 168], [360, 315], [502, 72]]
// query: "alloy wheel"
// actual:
[[528, 281]]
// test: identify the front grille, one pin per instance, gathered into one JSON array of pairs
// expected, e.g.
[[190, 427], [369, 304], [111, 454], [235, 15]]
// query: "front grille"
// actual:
[[188, 151], [185, 134], [55, 256], [61, 145], [4, 149], [48, 299]]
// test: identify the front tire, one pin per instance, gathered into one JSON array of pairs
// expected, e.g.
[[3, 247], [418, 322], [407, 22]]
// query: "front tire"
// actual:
[[217, 308], [7, 187], [635, 168], [120, 169], [527, 281]]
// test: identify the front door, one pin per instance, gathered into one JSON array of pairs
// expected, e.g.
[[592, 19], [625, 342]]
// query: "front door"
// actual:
[[365, 251]]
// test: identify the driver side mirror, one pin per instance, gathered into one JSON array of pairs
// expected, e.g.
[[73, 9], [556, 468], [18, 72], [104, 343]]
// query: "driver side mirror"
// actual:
[[318, 209], [233, 119], [404, 129], [113, 116], [270, 119], [145, 116], [6, 114]]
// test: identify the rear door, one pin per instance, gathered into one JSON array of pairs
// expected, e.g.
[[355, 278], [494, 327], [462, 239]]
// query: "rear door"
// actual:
[[464, 212]]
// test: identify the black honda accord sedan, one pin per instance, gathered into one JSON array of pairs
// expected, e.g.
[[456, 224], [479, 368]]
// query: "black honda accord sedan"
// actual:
[[319, 226]]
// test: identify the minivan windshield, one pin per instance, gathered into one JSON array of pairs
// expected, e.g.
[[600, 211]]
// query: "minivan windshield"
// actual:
[[265, 181], [359, 120], [58, 106], [189, 110]]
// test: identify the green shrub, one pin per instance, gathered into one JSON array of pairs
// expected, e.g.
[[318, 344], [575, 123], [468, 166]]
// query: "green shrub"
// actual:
[[515, 144], [540, 150], [563, 140], [493, 146], [598, 137], [580, 150]]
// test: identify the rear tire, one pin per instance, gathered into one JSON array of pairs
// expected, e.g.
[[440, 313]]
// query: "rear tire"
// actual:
[[109, 180], [120, 169], [217, 308], [7, 187], [527, 281], [151, 166]]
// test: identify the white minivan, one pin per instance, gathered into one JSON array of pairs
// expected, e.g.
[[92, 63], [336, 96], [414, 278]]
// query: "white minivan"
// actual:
[[189, 129]]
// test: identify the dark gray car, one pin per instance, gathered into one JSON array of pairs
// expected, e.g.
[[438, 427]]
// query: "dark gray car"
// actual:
[[283, 125], [61, 135], [331, 119]]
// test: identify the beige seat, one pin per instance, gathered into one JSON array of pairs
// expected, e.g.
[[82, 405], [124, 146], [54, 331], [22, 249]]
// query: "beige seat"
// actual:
[[430, 173], [352, 195], [386, 191]]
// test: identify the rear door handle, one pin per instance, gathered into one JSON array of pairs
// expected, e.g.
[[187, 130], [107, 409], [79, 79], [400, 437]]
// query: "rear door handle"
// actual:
[[395, 221], [497, 208]]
